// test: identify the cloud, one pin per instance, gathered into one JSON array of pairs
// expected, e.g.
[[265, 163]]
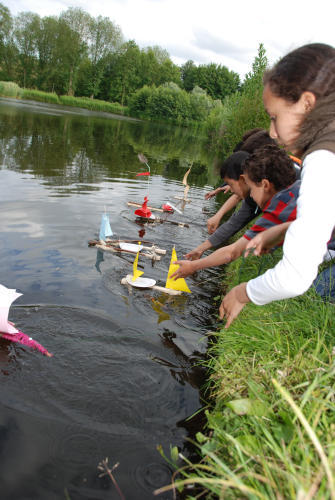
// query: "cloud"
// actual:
[[204, 40], [187, 52]]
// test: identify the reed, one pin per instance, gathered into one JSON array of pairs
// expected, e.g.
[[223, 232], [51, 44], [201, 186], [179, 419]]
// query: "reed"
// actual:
[[93, 104], [10, 89], [38, 95]]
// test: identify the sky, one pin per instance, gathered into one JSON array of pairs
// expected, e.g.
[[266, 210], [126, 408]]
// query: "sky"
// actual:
[[205, 31]]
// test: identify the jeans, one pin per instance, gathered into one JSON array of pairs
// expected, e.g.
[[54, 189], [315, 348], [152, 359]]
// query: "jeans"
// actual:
[[324, 283]]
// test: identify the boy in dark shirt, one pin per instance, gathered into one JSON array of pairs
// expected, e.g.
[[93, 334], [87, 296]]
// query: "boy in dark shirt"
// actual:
[[268, 178]]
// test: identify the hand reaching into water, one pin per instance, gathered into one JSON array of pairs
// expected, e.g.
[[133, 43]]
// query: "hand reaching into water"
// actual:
[[265, 241], [194, 254], [197, 252], [213, 223], [233, 303], [186, 267], [210, 195]]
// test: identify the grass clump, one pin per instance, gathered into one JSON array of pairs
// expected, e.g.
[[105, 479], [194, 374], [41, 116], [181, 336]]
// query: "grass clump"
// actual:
[[38, 95], [271, 430], [10, 89], [93, 104]]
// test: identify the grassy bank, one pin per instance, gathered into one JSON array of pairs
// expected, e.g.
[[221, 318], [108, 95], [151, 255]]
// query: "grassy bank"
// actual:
[[10, 89], [271, 427]]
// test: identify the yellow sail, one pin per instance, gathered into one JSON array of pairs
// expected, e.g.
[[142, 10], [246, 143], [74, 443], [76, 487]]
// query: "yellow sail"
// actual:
[[180, 283], [136, 273]]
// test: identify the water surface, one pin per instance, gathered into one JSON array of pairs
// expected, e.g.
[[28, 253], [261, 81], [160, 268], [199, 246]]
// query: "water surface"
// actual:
[[124, 375]]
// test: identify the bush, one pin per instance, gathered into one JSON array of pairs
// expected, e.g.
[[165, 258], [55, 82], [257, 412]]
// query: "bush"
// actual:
[[138, 102], [168, 102]]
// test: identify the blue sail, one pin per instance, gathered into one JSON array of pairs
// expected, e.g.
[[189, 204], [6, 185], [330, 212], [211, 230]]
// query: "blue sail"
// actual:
[[105, 228]]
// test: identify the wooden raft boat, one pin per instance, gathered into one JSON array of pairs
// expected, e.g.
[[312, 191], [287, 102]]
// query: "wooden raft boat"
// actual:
[[169, 291], [149, 250]]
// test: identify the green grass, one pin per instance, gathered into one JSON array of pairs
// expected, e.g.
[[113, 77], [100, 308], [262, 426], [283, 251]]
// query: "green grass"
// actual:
[[271, 427]]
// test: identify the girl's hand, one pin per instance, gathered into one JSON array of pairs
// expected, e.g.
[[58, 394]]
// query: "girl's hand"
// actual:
[[233, 303], [186, 268]]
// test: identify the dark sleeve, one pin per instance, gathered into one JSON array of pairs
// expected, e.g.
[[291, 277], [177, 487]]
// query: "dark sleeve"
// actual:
[[237, 221]]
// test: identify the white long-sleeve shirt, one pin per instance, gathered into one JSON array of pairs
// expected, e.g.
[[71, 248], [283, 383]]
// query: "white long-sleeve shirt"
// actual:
[[306, 239]]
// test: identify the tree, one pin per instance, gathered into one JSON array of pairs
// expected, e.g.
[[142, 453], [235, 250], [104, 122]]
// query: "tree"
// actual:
[[126, 72], [168, 72], [160, 54], [255, 77], [8, 51], [25, 34], [241, 111], [104, 38], [46, 45], [72, 44], [217, 80], [189, 75]]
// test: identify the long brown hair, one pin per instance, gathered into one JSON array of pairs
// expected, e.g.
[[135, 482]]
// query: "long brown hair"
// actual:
[[308, 68], [311, 68]]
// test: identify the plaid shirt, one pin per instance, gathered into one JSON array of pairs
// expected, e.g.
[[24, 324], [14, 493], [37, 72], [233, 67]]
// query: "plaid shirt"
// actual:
[[282, 207]]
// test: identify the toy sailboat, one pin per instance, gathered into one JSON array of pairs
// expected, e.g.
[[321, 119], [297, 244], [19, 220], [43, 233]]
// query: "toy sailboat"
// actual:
[[172, 287], [144, 211], [7, 329], [105, 228], [136, 272], [187, 187], [151, 251], [135, 278], [178, 284]]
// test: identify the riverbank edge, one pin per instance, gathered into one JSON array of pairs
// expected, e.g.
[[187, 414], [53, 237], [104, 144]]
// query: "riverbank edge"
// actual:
[[13, 91], [270, 431], [10, 90]]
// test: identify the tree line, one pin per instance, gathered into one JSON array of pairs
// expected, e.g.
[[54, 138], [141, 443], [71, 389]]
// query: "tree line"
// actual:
[[80, 55]]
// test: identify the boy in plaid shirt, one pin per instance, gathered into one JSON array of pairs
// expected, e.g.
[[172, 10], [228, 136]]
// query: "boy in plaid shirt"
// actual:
[[269, 179]]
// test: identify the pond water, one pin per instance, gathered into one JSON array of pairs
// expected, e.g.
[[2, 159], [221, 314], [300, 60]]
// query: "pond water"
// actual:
[[124, 375]]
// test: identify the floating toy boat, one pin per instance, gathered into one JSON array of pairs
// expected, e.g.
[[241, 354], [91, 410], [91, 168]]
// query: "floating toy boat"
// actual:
[[172, 287], [186, 190], [105, 228], [7, 329], [153, 209], [147, 249], [150, 250], [144, 211]]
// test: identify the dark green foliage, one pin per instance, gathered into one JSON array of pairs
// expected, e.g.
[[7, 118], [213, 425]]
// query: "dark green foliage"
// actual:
[[217, 80], [241, 111], [170, 102]]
